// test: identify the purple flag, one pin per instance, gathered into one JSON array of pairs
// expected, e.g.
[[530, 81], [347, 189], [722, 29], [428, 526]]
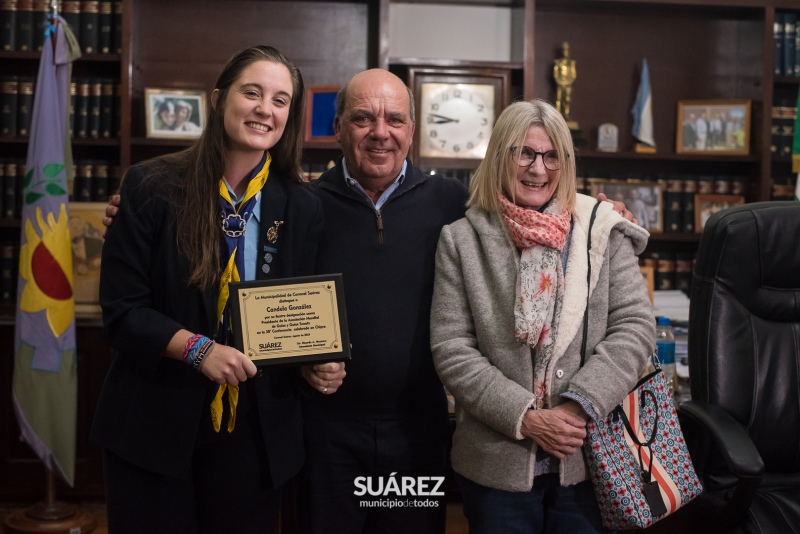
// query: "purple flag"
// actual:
[[45, 373]]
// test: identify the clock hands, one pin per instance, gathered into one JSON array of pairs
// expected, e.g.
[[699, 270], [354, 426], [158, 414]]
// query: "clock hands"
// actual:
[[433, 118]]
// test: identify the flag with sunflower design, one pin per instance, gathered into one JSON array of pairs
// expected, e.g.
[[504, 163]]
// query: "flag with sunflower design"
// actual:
[[45, 371]]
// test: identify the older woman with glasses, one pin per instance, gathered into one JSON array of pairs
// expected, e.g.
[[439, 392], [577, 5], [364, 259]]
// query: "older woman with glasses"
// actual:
[[506, 328]]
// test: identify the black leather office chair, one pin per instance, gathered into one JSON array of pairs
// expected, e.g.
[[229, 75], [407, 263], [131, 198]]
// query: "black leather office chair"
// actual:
[[743, 422]]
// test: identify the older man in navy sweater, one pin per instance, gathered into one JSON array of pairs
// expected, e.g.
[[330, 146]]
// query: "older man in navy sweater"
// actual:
[[388, 422]]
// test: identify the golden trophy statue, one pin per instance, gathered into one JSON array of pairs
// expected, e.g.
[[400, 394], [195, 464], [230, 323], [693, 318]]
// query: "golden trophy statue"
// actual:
[[564, 74]]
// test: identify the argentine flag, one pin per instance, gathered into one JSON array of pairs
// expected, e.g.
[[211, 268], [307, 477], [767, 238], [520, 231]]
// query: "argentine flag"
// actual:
[[643, 110]]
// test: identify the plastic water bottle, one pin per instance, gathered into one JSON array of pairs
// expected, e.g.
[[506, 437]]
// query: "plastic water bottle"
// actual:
[[665, 342]]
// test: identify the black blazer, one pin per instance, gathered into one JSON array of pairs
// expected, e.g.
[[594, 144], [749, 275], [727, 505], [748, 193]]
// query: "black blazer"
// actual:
[[151, 406]]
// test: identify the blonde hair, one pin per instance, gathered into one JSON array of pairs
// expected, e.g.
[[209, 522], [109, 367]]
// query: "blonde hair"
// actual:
[[497, 172]]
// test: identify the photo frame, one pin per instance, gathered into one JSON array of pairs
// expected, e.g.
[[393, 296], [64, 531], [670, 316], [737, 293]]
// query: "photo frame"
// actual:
[[643, 199], [86, 233], [713, 127], [320, 112], [174, 113], [707, 205]]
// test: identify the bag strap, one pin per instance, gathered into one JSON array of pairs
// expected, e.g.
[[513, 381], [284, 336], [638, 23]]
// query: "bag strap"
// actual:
[[588, 283]]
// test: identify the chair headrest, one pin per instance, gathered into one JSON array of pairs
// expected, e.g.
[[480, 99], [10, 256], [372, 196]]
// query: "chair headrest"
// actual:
[[754, 251]]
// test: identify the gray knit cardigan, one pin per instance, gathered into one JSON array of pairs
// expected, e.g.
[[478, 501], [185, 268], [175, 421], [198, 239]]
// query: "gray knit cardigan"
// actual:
[[490, 374]]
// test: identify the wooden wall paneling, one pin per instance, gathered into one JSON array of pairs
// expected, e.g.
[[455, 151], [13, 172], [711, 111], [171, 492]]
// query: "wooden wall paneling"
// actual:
[[328, 41], [529, 51]]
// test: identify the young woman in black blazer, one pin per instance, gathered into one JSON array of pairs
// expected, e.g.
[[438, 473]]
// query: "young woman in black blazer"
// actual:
[[170, 466]]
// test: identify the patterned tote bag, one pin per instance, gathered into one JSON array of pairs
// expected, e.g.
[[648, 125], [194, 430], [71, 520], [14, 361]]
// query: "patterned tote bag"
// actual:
[[637, 456]]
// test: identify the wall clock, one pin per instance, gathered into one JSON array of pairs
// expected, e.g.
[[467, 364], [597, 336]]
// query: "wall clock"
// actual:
[[455, 111]]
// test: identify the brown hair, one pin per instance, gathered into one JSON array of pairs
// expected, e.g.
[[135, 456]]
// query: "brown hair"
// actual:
[[203, 164]]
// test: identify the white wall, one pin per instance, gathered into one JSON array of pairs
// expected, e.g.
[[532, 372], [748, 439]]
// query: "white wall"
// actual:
[[472, 33]]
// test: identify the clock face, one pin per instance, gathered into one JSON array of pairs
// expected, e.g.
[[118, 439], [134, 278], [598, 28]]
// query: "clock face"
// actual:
[[456, 120]]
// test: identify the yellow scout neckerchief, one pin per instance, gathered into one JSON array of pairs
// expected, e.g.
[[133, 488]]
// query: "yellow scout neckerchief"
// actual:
[[234, 222]]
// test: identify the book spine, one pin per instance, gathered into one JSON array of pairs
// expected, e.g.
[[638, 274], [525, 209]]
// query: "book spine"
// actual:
[[775, 131], [665, 271], [673, 211], [18, 188], [787, 129], [41, 10], [23, 37], [116, 124], [8, 24], [797, 49], [71, 12], [683, 271], [90, 28], [73, 101], [116, 26], [82, 110], [82, 189], [789, 34], [104, 21], [9, 189], [8, 280], [95, 97], [689, 190], [100, 182], [8, 106], [106, 109], [24, 106], [722, 185], [777, 39]]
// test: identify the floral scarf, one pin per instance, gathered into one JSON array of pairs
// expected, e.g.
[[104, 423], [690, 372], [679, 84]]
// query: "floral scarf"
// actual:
[[540, 281]]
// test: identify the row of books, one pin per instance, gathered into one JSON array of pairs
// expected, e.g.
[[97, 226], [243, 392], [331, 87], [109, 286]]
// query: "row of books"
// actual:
[[93, 114], [671, 270], [782, 128], [787, 44], [97, 25], [94, 180]]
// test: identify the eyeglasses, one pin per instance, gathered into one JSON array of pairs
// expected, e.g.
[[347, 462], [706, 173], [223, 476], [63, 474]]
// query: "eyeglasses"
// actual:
[[526, 156]]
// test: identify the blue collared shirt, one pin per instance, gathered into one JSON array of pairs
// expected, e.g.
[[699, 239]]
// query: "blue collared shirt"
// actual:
[[251, 233], [352, 183]]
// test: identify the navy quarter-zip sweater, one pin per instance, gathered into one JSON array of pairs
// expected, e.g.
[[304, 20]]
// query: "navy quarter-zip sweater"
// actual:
[[387, 259]]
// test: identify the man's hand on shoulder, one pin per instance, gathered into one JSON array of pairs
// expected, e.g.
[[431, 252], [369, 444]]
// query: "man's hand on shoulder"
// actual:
[[619, 207], [111, 211]]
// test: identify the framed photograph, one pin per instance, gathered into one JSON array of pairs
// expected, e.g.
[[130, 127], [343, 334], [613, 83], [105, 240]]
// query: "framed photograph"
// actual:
[[456, 108], [649, 280], [707, 205], [86, 232], [320, 112], [643, 199], [713, 127], [174, 114]]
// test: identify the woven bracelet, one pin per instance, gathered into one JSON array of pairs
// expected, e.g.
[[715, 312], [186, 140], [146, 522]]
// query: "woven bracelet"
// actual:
[[204, 350]]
